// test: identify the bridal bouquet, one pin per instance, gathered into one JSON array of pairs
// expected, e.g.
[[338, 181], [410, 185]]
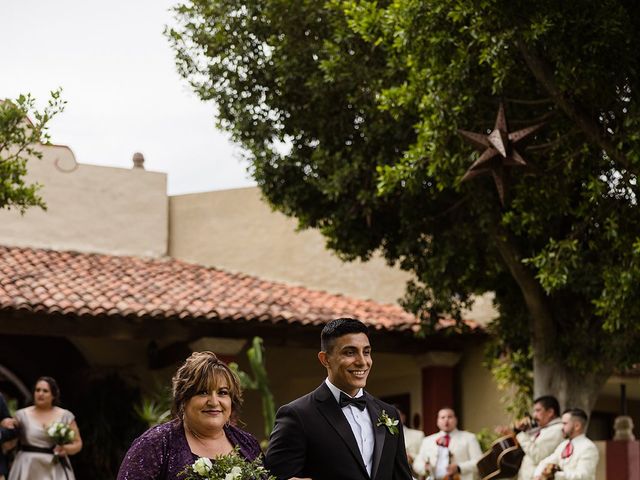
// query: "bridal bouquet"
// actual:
[[226, 467], [61, 433]]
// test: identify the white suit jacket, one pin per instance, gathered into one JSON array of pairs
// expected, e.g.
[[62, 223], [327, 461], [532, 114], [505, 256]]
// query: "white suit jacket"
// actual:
[[412, 440], [581, 465], [537, 449], [463, 446]]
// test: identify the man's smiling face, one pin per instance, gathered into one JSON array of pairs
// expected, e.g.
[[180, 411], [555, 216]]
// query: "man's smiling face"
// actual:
[[348, 362]]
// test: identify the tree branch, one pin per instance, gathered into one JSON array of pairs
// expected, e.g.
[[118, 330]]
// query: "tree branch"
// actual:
[[542, 101], [544, 74], [552, 143], [542, 325]]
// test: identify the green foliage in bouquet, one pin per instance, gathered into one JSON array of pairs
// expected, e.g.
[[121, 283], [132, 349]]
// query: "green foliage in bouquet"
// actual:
[[226, 467], [259, 382]]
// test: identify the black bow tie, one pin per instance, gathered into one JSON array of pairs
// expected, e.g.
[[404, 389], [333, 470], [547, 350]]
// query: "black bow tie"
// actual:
[[359, 402]]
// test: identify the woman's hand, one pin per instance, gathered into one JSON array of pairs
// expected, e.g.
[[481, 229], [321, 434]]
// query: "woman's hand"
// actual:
[[60, 450]]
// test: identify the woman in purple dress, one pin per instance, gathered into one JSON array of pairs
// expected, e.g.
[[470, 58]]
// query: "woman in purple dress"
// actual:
[[206, 396]]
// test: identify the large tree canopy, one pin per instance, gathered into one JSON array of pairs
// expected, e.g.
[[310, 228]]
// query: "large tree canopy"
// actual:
[[20, 140], [349, 112]]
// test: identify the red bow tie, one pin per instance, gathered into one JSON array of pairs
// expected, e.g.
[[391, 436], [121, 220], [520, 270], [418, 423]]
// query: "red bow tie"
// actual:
[[568, 450], [443, 441]]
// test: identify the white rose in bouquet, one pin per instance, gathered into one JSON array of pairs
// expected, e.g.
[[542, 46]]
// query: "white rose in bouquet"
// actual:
[[233, 474], [202, 466]]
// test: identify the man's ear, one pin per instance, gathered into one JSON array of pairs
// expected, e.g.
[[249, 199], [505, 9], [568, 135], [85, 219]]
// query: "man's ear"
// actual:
[[322, 356]]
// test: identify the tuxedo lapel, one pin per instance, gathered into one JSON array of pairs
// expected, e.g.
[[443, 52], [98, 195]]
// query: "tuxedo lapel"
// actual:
[[330, 410], [380, 432]]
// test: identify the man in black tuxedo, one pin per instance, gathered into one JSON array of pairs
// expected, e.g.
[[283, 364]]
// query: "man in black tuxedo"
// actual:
[[339, 431]]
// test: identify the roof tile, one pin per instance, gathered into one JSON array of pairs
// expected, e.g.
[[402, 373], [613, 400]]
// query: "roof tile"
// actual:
[[94, 284]]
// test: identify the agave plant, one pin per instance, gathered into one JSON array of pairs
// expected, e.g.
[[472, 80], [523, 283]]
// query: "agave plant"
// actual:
[[153, 411]]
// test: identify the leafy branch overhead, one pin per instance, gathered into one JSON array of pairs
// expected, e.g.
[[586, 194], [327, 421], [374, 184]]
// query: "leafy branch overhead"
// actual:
[[349, 112], [23, 129]]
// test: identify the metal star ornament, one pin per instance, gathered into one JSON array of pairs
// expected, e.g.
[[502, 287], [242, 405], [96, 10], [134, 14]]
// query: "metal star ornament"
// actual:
[[498, 151]]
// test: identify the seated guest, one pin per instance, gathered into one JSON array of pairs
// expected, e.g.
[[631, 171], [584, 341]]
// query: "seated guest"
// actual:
[[449, 451], [574, 459], [206, 396], [538, 442]]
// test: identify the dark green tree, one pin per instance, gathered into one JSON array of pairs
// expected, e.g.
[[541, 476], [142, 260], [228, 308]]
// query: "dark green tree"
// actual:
[[23, 129], [349, 111]]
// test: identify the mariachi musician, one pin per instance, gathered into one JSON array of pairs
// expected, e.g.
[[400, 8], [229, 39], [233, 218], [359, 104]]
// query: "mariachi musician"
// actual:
[[540, 437], [450, 453], [576, 458]]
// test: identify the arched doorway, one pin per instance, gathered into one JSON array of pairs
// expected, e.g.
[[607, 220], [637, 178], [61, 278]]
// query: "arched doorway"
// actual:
[[24, 358], [11, 386]]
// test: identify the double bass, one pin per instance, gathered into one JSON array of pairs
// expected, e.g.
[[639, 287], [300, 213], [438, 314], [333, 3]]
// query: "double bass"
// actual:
[[502, 460]]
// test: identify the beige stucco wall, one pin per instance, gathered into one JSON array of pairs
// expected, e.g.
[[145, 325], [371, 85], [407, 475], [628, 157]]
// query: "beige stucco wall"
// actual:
[[235, 230], [91, 208], [480, 399]]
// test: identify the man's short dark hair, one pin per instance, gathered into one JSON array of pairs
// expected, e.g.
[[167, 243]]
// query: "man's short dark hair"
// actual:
[[549, 401], [338, 328], [579, 415]]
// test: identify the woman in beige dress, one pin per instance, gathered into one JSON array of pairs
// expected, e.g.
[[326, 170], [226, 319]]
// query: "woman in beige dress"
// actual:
[[38, 456]]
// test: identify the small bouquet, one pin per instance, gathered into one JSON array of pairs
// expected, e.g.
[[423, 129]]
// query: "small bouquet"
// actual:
[[226, 467], [61, 433]]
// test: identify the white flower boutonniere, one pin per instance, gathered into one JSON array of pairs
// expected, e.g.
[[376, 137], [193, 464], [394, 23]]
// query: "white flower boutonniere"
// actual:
[[387, 421]]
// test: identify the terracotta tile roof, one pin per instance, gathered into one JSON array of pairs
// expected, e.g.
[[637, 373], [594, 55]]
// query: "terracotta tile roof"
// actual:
[[82, 284]]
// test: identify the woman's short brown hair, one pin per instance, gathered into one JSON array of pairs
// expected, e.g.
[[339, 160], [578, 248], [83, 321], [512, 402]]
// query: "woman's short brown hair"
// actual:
[[202, 371]]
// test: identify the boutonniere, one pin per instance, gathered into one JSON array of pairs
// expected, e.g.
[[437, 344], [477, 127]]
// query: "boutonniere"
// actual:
[[387, 421]]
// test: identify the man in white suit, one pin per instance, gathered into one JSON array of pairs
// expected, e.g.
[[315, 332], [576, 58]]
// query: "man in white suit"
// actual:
[[538, 442], [449, 451], [577, 457]]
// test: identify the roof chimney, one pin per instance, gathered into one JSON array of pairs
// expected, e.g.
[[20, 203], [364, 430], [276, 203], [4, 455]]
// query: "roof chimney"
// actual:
[[138, 160]]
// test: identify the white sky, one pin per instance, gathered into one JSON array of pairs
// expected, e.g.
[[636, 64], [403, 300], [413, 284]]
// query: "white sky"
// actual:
[[123, 92]]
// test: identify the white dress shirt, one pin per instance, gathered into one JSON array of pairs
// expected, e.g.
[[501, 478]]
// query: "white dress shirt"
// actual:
[[360, 423], [580, 465], [442, 462], [463, 447]]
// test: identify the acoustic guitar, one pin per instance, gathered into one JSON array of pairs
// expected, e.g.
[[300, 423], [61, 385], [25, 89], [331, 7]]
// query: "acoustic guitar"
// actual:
[[502, 460]]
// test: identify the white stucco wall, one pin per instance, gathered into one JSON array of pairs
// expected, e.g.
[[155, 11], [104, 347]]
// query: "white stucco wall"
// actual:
[[91, 208]]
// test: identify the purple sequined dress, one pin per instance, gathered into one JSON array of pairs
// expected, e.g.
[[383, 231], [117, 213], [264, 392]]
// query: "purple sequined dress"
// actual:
[[162, 452]]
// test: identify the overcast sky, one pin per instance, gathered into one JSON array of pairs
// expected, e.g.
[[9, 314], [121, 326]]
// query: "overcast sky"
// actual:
[[123, 92]]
